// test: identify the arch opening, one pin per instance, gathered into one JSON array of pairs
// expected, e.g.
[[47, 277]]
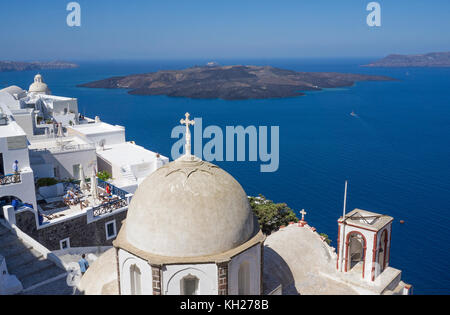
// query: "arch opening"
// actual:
[[244, 279], [135, 280], [356, 252], [382, 253], [9, 201], [189, 285]]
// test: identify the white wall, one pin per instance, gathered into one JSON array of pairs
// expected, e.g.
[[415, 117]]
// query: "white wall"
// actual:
[[26, 121], [9, 156], [253, 257], [66, 119], [110, 137], [144, 169], [65, 162], [9, 284], [206, 273], [43, 170], [369, 237], [9, 100], [378, 263], [126, 260], [25, 190], [62, 106]]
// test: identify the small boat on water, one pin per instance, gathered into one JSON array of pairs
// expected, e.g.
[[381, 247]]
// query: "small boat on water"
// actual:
[[353, 114]]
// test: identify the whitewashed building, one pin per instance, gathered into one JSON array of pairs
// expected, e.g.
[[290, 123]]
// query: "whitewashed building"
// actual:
[[61, 141], [13, 147], [189, 231], [128, 163], [50, 139]]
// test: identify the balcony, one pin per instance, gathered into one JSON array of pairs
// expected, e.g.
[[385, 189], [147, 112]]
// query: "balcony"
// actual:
[[109, 207], [114, 190], [10, 179], [58, 209]]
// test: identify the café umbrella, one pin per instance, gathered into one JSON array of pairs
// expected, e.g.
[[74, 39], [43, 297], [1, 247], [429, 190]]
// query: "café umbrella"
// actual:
[[94, 190], [83, 185]]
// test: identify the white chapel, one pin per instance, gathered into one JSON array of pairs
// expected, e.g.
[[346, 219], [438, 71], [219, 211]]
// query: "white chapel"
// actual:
[[190, 231]]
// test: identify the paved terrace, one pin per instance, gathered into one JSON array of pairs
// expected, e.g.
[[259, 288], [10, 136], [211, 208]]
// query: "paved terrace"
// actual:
[[60, 207]]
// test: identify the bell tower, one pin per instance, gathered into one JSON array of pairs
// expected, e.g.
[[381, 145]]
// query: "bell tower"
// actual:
[[364, 243]]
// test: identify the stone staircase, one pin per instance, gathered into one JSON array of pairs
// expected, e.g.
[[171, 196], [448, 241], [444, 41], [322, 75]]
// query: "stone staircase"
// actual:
[[26, 263], [127, 174], [398, 290]]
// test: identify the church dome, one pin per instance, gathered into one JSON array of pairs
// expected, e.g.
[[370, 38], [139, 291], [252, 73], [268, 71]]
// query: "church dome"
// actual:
[[38, 86], [189, 208]]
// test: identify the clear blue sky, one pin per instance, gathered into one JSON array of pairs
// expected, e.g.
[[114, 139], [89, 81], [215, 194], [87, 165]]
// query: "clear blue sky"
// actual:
[[185, 29]]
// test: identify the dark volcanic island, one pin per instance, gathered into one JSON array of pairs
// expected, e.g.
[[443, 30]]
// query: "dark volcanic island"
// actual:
[[437, 59], [231, 82], [8, 66]]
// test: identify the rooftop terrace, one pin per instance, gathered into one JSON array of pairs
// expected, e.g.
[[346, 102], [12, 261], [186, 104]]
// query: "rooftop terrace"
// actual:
[[61, 207], [63, 144], [94, 128]]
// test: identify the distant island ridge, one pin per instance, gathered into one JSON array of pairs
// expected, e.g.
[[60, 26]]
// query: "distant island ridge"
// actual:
[[237, 82], [435, 59], [8, 66]]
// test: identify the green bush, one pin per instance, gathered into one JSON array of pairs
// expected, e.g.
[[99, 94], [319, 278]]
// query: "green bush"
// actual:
[[327, 239], [271, 216], [43, 182], [103, 175]]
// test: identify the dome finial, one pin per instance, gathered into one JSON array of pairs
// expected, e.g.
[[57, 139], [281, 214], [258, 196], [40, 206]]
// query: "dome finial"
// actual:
[[188, 123]]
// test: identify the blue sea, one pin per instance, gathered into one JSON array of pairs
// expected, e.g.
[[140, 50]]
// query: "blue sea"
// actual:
[[395, 154]]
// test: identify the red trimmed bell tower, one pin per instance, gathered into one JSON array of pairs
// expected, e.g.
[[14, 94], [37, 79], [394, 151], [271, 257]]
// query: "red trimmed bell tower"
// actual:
[[364, 243]]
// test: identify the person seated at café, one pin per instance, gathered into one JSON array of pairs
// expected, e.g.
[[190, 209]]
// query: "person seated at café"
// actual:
[[71, 197]]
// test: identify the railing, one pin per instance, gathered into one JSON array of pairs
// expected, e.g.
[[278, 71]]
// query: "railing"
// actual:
[[10, 179], [109, 207], [65, 148], [114, 190]]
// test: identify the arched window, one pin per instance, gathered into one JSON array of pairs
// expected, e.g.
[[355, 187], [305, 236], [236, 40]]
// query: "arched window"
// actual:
[[135, 280], [382, 252], [189, 285], [356, 252], [244, 279]]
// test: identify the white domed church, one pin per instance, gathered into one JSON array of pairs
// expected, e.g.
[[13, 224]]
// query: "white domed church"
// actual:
[[38, 86], [190, 230]]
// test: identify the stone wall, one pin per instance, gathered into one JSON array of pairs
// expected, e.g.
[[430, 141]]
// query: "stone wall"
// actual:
[[80, 233], [223, 278], [156, 280]]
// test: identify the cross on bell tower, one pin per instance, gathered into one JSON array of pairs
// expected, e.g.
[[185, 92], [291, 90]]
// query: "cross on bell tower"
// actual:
[[188, 123]]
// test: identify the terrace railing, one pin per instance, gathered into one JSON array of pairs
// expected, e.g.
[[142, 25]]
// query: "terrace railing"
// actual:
[[114, 190], [64, 148], [109, 207], [10, 179]]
